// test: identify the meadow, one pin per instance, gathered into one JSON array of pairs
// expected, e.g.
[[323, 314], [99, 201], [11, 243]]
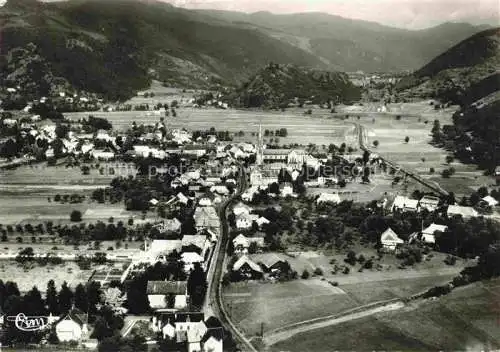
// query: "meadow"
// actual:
[[277, 305], [466, 319]]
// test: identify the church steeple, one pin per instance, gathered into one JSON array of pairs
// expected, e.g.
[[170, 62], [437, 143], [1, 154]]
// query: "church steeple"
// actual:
[[260, 151]]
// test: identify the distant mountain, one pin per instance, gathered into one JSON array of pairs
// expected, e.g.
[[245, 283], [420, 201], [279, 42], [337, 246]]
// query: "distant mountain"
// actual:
[[276, 86], [461, 74], [116, 47], [352, 45]]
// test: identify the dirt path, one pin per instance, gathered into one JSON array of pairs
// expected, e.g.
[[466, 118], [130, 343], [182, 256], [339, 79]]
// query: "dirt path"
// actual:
[[305, 326]]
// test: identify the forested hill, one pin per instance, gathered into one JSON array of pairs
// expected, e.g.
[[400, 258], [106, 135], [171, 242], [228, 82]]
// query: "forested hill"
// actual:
[[467, 68], [277, 86]]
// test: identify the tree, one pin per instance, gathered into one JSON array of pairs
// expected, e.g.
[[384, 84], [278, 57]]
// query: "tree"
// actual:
[[407, 139], [305, 275], [65, 298], [488, 262], [81, 299], [375, 143], [33, 302], [253, 248], [197, 285], [449, 159], [75, 216], [51, 298]]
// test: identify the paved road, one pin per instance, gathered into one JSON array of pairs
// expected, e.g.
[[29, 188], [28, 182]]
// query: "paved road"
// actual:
[[214, 303]]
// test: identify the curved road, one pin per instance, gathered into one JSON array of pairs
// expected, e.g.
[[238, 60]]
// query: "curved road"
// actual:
[[215, 305]]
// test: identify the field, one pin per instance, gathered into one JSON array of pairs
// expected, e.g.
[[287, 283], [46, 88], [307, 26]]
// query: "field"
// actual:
[[39, 275], [280, 304], [416, 121], [301, 129], [466, 319], [41, 174]]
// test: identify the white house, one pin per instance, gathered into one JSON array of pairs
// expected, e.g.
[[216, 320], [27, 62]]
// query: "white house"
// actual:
[[333, 198], [262, 221], [241, 208], [286, 190], [244, 221], [72, 327], [492, 202], [429, 202], [428, 233], [241, 243], [465, 212], [404, 204], [189, 259], [212, 341], [390, 240]]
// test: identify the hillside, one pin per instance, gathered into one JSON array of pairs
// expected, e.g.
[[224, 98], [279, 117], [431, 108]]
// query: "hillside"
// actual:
[[279, 85], [352, 45], [117, 47], [460, 71], [467, 74]]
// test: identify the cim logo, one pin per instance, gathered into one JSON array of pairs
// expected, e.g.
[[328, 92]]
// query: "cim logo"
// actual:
[[29, 323]]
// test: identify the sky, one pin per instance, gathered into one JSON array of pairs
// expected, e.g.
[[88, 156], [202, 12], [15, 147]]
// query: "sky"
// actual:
[[412, 14]]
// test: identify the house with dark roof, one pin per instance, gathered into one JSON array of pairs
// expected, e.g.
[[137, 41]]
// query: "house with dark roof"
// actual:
[[247, 268], [162, 293]]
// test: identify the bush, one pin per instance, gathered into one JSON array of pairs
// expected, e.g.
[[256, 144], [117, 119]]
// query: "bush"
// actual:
[[450, 260], [351, 258], [318, 271], [305, 275], [346, 270], [76, 216]]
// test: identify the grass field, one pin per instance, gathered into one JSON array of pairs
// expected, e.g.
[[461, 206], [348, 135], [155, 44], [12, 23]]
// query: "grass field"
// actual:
[[41, 174], [281, 304], [466, 319]]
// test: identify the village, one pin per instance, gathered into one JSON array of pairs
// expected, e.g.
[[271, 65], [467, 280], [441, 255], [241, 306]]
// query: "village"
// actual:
[[194, 239]]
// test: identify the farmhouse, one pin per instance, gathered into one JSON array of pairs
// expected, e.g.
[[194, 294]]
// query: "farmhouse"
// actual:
[[390, 240], [465, 212], [159, 291], [72, 327], [428, 233], [247, 268], [429, 202], [404, 204], [270, 262]]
